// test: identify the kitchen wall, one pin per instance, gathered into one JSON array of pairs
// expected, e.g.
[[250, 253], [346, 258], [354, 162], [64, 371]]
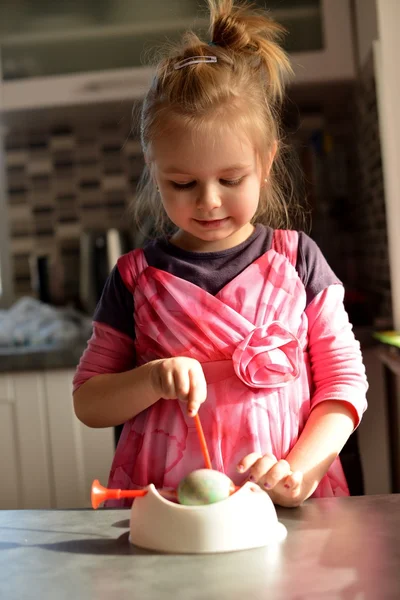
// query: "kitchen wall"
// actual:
[[63, 177]]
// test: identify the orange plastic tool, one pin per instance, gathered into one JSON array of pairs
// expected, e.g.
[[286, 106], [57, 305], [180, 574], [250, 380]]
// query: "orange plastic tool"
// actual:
[[203, 443], [100, 494]]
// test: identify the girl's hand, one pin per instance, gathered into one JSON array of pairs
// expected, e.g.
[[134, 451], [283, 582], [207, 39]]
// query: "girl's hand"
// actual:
[[180, 377], [275, 477]]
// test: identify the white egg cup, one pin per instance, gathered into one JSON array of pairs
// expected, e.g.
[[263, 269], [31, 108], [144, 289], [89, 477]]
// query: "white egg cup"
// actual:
[[247, 519]]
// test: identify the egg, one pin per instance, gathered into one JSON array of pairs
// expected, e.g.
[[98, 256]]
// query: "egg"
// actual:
[[204, 486]]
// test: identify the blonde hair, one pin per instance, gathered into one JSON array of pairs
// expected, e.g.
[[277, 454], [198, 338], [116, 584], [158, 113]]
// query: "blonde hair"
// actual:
[[244, 86]]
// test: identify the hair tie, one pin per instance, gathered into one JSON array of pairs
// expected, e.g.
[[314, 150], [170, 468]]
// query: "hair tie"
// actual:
[[193, 60]]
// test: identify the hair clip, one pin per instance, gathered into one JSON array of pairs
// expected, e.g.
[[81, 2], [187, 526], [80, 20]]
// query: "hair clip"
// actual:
[[193, 60]]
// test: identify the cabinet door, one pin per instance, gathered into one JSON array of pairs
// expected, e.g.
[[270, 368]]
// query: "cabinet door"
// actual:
[[10, 496], [32, 441], [78, 454], [40, 39], [334, 60], [48, 459]]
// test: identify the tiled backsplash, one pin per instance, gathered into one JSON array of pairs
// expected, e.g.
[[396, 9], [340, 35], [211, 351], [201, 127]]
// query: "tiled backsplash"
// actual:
[[62, 180]]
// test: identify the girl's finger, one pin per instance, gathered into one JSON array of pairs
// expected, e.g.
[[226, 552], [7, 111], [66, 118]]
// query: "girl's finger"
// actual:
[[168, 384], [294, 481], [262, 466], [280, 470], [197, 390], [181, 384], [248, 461]]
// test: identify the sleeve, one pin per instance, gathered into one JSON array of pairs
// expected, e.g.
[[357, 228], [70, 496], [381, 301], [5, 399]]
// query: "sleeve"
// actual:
[[312, 267], [336, 361], [107, 351], [111, 348], [115, 307]]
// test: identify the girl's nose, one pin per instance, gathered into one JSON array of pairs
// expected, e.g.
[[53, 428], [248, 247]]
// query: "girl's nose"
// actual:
[[208, 199]]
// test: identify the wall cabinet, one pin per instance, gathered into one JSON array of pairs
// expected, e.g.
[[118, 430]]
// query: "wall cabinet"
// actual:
[[48, 458], [98, 52]]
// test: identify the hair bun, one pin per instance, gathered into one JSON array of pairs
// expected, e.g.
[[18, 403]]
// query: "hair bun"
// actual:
[[242, 29], [240, 26], [230, 32]]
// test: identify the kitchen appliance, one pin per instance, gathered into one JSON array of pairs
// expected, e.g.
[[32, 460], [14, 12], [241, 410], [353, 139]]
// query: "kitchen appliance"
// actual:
[[99, 252]]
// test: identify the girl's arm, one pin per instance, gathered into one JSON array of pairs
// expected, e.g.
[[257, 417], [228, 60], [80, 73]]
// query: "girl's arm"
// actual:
[[108, 392], [339, 379], [337, 404], [289, 482], [112, 399], [102, 386], [327, 430]]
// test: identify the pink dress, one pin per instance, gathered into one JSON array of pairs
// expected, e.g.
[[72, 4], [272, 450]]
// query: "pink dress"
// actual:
[[252, 341]]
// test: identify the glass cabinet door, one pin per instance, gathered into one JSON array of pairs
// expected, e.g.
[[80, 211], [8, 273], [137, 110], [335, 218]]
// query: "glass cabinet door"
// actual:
[[44, 37], [303, 20]]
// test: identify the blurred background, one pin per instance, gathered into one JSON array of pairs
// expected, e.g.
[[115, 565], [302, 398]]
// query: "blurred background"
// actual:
[[71, 74]]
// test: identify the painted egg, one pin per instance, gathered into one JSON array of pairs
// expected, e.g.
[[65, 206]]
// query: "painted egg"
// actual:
[[204, 486]]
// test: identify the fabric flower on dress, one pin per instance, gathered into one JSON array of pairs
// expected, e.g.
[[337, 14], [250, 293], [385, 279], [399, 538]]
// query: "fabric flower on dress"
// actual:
[[268, 357]]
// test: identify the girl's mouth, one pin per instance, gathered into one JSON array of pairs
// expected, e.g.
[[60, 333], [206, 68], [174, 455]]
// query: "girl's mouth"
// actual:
[[212, 224]]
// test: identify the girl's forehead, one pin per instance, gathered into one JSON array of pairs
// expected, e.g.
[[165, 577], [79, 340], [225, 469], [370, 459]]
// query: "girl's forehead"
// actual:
[[183, 146]]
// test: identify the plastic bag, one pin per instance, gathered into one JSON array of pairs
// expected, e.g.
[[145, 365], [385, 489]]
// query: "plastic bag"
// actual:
[[32, 323]]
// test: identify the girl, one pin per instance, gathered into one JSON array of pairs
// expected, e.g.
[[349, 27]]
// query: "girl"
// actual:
[[230, 313]]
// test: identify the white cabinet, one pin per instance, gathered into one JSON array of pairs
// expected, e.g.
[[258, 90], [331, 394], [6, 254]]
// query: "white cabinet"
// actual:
[[335, 61], [10, 490], [58, 58], [48, 459]]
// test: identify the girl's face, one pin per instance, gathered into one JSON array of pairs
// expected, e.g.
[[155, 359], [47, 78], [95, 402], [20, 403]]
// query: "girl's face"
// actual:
[[209, 186]]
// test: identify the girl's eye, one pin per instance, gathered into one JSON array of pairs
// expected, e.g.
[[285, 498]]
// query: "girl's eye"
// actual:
[[232, 181], [191, 184], [183, 186]]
